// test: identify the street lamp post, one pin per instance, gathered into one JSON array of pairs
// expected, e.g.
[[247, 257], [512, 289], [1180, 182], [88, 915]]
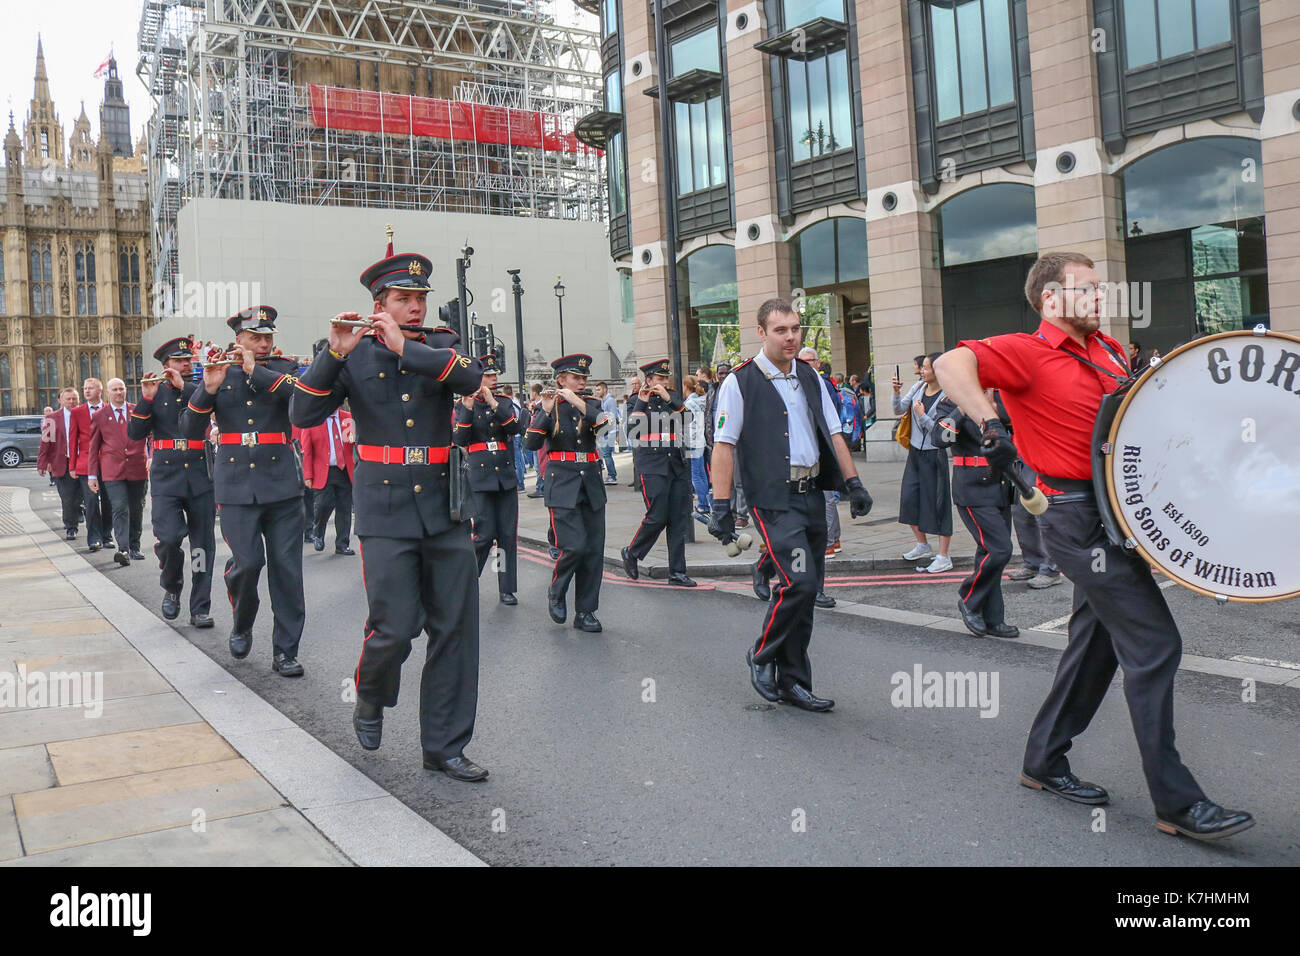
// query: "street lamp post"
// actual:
[[559, 298]]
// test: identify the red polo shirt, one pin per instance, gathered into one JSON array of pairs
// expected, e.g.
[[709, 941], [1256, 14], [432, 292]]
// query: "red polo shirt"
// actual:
[[1052, 398]]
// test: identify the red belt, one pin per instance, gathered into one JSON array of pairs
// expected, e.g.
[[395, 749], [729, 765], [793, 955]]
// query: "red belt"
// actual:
[[253, 438], [180, 444], [657, 437], [488, 446], [972, 462], [405, 455], [573, 456]]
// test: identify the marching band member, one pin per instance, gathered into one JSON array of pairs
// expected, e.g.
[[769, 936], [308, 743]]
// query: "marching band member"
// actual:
[[418, 565], [567, 424], [258, 484], [656, 432], [1052, 383], [179, 483], [484, 426]]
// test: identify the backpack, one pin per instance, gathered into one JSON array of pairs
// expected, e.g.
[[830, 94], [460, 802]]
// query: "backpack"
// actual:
[[850, 416]]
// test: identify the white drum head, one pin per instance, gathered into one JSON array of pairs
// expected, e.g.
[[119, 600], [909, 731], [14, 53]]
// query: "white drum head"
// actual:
[[1204, 468]]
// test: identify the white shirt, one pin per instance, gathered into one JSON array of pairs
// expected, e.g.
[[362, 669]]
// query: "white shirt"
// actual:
[[329, 433], [729, 411], [67, 431]]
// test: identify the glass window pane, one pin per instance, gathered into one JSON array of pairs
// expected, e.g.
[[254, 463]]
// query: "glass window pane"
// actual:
[[717, 143], [1139, 32], [683, 144], [92, 300], [815, 265], [1192, 184], [81, 300], [970, 49], [38, 301], [989, 222], [841, 110], [90, 266], [94, 367], [613, 94], [617, 175], [135, 267], [699, 146], [1213, 22], [801, 11], [1175, 27], [997, 44], [608, 17], [796, 74], [81, 267], [944, 33], [819, 108], [85, 367], [1220, 305], [850, 249], [699, 51], [46, 267], [135, 300]]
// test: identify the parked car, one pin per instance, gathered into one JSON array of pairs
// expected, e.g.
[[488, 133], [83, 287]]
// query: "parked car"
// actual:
[[20, 439]]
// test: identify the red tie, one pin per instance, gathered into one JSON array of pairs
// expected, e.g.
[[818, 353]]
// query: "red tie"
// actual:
[[338, 441]]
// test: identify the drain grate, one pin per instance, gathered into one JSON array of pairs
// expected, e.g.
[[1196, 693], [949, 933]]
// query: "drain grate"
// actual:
[[8, 520]]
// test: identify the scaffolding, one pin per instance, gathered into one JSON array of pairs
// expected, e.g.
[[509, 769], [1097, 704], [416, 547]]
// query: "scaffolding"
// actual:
[[233, 83]]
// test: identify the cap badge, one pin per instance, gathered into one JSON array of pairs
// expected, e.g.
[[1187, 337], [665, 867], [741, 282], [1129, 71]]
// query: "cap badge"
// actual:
[[261, 314], [415, 268]]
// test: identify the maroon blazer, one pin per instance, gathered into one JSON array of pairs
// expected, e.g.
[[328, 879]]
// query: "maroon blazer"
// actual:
[[315, 443], [113, 456], [52, 456], [80, 437]]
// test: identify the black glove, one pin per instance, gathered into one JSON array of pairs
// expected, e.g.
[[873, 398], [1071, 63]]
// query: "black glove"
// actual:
[[996, 445], [859, 501], [722, 523]]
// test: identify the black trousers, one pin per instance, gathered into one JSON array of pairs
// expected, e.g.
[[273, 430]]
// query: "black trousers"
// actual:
[[667, 505], [1121, 617], [308, 513], [269, 536], [428, 584], [70, 498], [98, 510], [127, 499], [496, 518], [174, 520], [990, 526], [579, 533], [336, 496], [796, 545]]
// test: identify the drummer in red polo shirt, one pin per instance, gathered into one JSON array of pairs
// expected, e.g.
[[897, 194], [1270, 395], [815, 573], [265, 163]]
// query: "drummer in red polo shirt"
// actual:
[[1052, 383]]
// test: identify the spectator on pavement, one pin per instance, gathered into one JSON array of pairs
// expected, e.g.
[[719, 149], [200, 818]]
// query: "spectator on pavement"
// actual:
[[1038, 568], [925, 501], [696, 392], [606, 440], [517, 440]]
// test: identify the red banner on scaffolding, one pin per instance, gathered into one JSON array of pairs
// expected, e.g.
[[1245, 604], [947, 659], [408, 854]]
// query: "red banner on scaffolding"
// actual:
[[365, 111]]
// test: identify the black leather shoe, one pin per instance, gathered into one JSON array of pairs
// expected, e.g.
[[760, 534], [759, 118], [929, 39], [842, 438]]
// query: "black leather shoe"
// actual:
[[344, 550], [824, 600], [318, 544], [681, 580], [586, 621], [1007, 631], [1067, 785], [286, 666], [458, 768], [555, 607], [241, 642], [201, 620], [1205, 820], [629, 565], [509, 599], [93, 548], [535, 494], [171, 606], [307, 537], [801, 697], [121, 558], [554, 552], [762, 590], [70, 535], [973, 620], [137, 556], [368, 722], [763, 677]]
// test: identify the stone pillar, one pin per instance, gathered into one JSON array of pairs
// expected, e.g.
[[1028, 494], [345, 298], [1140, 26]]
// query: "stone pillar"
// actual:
[[1078, 203], [1279, 23]]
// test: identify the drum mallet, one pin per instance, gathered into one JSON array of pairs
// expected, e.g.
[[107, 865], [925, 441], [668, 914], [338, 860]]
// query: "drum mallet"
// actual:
[[1035, 501], [738, 543]]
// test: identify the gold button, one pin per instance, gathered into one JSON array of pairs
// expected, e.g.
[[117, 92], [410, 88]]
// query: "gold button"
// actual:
[[418, 489], [381, 374], [403, 371], [273, 458], [252, 465], [249, 402], [385, 481], [410, 423], [406, 398], [187, 464], [232, 459]]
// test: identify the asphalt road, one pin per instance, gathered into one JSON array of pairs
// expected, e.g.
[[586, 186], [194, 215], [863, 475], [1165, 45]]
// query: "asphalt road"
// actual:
[[591, 764]]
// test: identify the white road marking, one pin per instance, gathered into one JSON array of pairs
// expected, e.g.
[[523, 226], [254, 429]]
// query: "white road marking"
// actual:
[[1054, 624], [1267, 661]]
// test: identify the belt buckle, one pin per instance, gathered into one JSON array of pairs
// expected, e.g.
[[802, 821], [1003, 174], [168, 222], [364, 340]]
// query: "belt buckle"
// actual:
[[248, 439], [416, 455], [493, 446]]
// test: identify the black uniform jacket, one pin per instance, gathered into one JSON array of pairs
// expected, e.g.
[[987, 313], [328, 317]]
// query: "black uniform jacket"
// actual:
[[489, 469], [657, 430], [396, 402], [568, 430], [252, 473], [173, 472], [972, 485]]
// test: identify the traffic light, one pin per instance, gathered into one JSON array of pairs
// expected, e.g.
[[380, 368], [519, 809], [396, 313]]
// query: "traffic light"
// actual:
[[481, 345], [449, 314]]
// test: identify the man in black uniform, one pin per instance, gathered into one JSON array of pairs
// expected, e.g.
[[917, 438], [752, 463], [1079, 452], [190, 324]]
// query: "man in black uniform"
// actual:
[[179, 483], [485, 422], [417, 563], [983, 497], [568, 424], [258, 484], [655, 431]]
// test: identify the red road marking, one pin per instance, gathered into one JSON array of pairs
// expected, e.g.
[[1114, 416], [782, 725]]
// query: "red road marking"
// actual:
[[539, 557]]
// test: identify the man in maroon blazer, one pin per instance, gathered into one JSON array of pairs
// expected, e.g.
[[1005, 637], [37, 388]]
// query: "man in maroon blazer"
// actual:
[[98, 510], [327, 465], [120, 463], [55, 458]]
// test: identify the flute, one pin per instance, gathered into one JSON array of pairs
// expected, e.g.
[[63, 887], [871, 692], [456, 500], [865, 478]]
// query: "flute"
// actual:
[[353, 323]]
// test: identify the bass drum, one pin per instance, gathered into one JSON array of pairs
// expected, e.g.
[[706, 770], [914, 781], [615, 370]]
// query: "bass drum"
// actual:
[[1202, 465]]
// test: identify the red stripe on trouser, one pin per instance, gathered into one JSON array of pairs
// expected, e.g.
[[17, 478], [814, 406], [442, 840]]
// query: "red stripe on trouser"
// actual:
[[975, 576], [361, 553], [646, 498], [555, 538], [780, 597]]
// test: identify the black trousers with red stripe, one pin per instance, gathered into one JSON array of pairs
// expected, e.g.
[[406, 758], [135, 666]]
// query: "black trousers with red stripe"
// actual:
[[667, 505], [990, 526], [796, 543], [429, 584], [496, 518], [579, 533], [175, 519], [266, 536]]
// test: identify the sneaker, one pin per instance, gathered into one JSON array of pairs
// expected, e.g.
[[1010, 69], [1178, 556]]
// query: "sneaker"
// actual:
[[830, 550], [1041, 581], [918, 551], [940, 563], [1023, 574], [836, 546]]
